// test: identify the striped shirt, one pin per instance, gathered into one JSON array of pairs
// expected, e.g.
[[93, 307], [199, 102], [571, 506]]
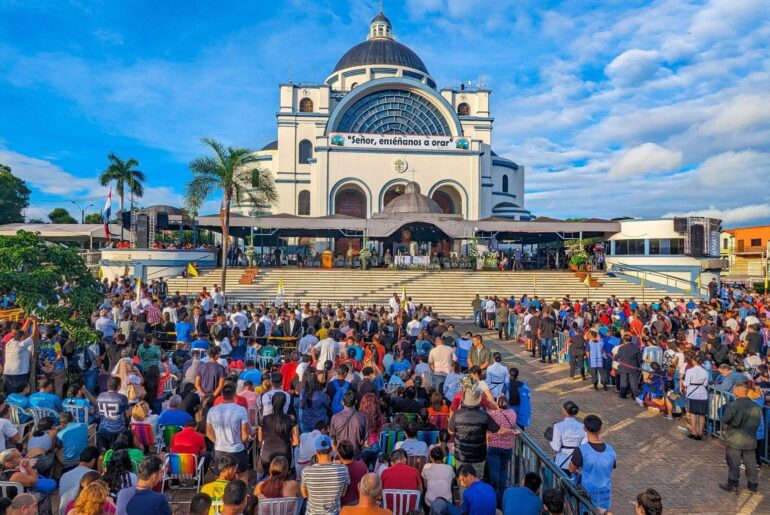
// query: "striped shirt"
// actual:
[[324, 484]]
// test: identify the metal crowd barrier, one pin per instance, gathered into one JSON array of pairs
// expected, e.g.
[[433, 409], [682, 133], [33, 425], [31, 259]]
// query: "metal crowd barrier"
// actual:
[[714, 427], [516, 329], [529, 457]]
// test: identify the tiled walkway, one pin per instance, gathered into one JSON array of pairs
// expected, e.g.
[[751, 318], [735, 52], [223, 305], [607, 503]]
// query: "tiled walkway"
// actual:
[[652, 451]]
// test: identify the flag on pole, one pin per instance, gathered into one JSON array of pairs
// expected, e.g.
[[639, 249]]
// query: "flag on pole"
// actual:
[[106, 212], [644, 277], [403, 296], [100, 273], [534, 280], [191, 270], [279, 293], [138, 288], [587, 281], [697, 282]]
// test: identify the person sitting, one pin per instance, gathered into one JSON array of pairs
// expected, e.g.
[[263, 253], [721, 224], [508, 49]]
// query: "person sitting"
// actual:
[[356, 470], [438, 477], [45, 398], [277, 485], [94, 494], [235, 498], [87, 463], [119, 472], [173, 416], [19, 469], [124, 442], [411, 445], [78, 395], [369, 498], [200, 504], [524, 499], [478, 497], [20, 400], [67, 497], [41, 446], [143, 498], [72, 439], [188, 440], [400, 476], [228, 471]]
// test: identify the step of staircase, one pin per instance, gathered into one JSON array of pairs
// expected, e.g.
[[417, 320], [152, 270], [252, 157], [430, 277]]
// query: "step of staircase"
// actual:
[[450, 292]]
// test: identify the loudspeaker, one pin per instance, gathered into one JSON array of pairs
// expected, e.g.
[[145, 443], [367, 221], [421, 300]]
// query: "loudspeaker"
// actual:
[[142, 231], [697, 240], [126, 218], [161, 220]]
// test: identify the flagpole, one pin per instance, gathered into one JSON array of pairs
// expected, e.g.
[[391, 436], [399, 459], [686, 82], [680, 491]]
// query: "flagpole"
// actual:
[[644, 276]]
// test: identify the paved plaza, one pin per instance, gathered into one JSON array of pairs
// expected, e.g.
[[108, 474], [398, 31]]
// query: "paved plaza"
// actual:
[[652, 451]]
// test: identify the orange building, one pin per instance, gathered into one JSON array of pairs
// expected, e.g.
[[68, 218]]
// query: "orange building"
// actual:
[[748, 255]]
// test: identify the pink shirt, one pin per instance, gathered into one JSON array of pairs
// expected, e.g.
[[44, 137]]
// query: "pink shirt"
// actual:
[[506, 418]]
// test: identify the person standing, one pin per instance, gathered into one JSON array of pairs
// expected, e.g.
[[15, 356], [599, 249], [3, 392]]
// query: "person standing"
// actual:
[[349, 424], [595, 461], [325, 482], [595, 360], [567, 435], [629, 360], [695, 391], [18, 356], [547, 335], [577, 351], [441, 360], [741, 418], [227, 426], [479, 355], [501, 320], [500, 446], [476, 306]]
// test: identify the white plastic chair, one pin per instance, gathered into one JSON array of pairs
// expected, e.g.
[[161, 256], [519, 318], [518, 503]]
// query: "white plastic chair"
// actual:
[[401, 502], [285, 506], [40, 413], [80, 413], [10, 489], [24, 428]]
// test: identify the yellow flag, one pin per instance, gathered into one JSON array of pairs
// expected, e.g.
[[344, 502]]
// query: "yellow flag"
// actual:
[[279, 290], [587, 280], [697, 282], [100, 273], [403, 296], [191, 270], [138, 287], [125, 271], [644, 277], [534, 279]]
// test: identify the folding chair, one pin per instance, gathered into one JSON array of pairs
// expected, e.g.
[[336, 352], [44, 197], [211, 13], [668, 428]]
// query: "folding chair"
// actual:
[[24, 428], [417, 462], [401, 502], [285, 506], [392, 387], [429, 437], [165, 434], [182, 467], [144, 434], [216, 507], [170, 386], [389, 439]]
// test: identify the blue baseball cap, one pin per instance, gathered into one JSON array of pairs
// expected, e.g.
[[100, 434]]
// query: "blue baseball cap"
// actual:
[[323, 443]]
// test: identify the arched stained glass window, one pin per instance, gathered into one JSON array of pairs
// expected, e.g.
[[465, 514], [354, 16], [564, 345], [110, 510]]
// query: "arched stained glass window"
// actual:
[[394, 111]]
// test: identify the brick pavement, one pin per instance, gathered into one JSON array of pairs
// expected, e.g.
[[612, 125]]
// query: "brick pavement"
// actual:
[[652, 452]]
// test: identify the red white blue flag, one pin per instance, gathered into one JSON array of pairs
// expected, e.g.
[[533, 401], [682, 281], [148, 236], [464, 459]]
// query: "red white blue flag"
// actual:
[[106, 212]]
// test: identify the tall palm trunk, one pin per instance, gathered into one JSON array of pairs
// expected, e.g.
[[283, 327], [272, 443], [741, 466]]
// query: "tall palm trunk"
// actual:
[[225, 224]]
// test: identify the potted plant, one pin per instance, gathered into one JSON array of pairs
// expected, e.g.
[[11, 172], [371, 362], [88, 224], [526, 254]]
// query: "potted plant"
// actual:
[[579, 260]]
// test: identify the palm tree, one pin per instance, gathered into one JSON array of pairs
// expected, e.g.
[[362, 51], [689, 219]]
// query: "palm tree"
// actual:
[[125, 176], [235, 173]]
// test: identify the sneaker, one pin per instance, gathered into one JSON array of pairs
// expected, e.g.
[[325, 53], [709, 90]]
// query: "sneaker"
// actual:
[[728, 487], [640, 402], [668, 417]]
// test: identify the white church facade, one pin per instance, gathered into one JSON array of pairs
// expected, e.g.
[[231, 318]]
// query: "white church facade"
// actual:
[[350, 145]]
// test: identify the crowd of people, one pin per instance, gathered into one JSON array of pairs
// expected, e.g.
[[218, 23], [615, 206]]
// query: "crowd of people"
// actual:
[[703, 362], [366, 403]]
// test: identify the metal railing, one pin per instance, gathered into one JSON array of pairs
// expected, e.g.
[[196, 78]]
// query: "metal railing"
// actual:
[[516, 329], [655, 277], [529, 457], [715, 428]]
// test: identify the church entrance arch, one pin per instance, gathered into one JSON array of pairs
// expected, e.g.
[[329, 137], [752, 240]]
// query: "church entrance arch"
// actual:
[[449, 199], [349, 200]]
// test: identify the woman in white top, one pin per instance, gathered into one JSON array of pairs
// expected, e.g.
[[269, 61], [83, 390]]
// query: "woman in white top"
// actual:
[[567, 436], [438, 477], [695, 391]]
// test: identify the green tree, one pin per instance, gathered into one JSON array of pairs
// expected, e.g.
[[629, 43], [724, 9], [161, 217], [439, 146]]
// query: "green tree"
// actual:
[[14, 197], [126, 177], [93, 218], [61, 216], [234, 172], [37, 273]]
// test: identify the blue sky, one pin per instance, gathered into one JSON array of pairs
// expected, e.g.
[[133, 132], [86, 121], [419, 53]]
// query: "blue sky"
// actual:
[[615, 107]]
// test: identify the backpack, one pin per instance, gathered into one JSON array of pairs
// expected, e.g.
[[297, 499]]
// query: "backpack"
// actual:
[[338, 395], [86, 359]]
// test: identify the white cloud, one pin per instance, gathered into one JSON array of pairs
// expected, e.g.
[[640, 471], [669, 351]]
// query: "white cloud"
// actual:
[[46, 176], [740, 113], [729, 216], [633, 66], [644, 159], [736, 168]]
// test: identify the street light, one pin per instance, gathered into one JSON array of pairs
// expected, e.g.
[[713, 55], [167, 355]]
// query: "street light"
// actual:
[[82, 211]]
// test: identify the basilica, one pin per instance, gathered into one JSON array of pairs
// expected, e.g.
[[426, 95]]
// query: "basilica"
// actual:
[[351, 145]]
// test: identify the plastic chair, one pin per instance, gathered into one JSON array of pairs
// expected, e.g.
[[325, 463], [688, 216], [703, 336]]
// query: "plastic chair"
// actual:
[[417, 462], [10, 489], [40, 413], [165, 434], [216, 507], [253, 412], [182, 467], [284, 506], [401, 502], [429, 437], [24, 428], [144, 434]]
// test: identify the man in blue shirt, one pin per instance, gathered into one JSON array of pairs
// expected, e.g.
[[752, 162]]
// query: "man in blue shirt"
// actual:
[[251, 374], [78, 395], [478, 497], [174, 416], [20, 400], [183, 330], [199, 343], [73, 437], [523, 500], [45, 398], [114, 410], [142, 498]]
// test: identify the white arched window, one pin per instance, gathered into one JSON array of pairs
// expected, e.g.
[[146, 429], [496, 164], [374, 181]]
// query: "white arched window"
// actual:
[[505, 184], [303, 203]]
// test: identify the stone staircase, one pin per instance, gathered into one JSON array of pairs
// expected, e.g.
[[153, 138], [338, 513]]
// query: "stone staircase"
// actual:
[[450, 292]]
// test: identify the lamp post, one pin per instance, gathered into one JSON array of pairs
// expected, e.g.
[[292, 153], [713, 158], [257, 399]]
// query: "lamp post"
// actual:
[[82, 211]]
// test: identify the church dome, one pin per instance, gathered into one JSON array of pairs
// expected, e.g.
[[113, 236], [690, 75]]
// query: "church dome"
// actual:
[[411, 202], [380, 48]]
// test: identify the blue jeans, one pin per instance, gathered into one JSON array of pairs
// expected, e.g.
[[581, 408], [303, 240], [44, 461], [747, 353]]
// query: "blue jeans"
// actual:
[[498, 461], [90, 376], [546, 348], [511, 326]]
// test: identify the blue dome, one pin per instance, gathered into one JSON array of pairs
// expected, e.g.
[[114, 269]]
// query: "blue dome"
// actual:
[[380, 51]]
